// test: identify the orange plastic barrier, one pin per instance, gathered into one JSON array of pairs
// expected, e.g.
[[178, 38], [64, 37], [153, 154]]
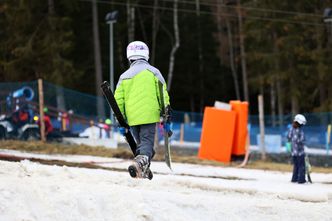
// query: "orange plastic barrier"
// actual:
[[217, 135], [241, 127]]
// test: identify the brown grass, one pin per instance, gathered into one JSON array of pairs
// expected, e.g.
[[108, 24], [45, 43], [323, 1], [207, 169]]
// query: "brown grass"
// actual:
[[125, 153]]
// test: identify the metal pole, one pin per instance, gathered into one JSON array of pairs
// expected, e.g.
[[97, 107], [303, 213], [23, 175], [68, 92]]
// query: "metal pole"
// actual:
[[261, 125], [111, 65], [111, 58]]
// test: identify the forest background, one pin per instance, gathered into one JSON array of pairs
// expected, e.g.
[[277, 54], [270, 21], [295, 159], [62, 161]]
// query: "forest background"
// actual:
[[207, 50]]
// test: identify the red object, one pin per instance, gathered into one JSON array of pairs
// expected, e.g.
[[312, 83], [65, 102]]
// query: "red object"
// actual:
[[23, 116], [19, 118], [48, 124]]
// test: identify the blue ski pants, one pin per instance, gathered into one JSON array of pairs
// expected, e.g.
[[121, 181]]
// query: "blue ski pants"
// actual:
[[298, 169], [144, 135]]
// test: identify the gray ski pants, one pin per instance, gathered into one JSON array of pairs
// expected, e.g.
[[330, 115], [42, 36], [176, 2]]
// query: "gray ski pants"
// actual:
[[144, 135]]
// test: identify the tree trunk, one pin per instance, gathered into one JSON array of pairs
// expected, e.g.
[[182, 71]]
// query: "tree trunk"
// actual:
[[130, 22], [280, 102], [294, 100], [41, 109], [219, 28], [97, 58], [261, 125], [200, 56], [155, 29], [295, 105], [273, 82], [243, 54], [121, 50], [175, 46], [141, 23], [321, 72], [232, 60], [322, 93], [60, 98], [278, 81], [51, 10], [329, 93], [261, 84], [273, 103], [230, 45]]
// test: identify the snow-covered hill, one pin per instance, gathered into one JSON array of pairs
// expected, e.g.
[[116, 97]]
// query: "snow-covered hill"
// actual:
[[30, 191]]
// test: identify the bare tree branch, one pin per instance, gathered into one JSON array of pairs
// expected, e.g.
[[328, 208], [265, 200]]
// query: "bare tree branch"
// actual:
[[175, 46]]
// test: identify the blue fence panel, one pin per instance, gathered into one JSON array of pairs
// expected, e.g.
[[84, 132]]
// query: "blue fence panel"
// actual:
[[84, 107]]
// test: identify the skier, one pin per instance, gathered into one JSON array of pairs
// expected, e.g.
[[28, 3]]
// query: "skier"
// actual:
[[296, 137], [137, 95]]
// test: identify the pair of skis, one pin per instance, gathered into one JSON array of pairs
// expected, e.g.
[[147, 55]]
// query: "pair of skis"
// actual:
[[122, 122]]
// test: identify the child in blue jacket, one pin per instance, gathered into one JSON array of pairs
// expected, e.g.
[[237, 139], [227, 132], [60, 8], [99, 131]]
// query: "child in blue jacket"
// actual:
[[296, 137]]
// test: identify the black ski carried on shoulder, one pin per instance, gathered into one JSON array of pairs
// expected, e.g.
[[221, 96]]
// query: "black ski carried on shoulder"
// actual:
[[105, 87]]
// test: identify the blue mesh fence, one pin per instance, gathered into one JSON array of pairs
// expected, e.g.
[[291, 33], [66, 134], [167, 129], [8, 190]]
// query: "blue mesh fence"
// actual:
[[315, 130], [59, 100], [84, 109], [55, 97], [7, 103], [80, 103]]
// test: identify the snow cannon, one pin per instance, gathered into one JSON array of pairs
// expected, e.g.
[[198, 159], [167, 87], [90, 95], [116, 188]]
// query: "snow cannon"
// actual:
[[25, 92]]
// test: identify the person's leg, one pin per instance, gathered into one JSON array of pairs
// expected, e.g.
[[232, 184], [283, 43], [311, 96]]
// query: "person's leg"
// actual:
[[136, 133], [295, 169], [301, 169], [146, 138]]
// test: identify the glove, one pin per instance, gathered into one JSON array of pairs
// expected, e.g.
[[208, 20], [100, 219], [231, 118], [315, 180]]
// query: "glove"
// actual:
[[167, 128], [288, 147], [167, 115], [122, 131], [169, 112], [165, 120]]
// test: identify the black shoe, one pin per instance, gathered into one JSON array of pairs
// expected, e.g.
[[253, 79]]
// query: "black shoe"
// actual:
[[140, 167], [134, 172], [132, 169]]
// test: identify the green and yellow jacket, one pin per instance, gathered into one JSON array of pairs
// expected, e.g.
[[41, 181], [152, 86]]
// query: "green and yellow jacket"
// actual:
[[137, 93]]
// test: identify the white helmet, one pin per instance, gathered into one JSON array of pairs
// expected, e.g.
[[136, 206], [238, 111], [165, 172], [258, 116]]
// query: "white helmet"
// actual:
[[300, 119], [137, 50]]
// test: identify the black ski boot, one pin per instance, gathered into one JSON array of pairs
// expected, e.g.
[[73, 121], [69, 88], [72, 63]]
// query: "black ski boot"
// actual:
[[140, 168]]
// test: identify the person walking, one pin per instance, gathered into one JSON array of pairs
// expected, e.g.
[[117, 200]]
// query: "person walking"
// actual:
[[138, 97]]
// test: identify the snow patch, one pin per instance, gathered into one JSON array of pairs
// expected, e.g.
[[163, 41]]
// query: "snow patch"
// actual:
[[33, 192]]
